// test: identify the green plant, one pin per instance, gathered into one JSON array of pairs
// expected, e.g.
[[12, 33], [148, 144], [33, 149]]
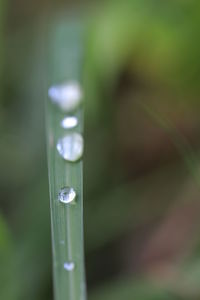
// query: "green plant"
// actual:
[[64, 61]]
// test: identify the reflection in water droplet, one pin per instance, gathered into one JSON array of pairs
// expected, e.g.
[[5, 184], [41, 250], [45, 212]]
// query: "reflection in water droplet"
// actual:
[[70, 147], [69, 122], [67, 96], [69, 266], [66, 195]]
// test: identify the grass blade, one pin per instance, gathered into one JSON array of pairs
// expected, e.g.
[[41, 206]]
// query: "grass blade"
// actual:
[[64, 63]]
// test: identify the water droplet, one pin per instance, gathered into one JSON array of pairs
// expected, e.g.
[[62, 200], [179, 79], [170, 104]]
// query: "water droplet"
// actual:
[[69, 122], [69, 266], [70, 147], [67, 195], [62, 242], [67, 96]]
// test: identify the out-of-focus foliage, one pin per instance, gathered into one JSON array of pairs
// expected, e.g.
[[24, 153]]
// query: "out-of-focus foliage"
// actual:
[[141, 75]]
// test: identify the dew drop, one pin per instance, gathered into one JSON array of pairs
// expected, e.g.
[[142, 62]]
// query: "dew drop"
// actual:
[[69, 122], [69, 266], [67, 195], [67, 95], [70, 147]]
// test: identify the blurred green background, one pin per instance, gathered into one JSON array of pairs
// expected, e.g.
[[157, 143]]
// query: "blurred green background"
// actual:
[[141, 163]]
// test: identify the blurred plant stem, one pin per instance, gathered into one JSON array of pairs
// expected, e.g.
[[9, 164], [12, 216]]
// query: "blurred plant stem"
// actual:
[[2, 19]]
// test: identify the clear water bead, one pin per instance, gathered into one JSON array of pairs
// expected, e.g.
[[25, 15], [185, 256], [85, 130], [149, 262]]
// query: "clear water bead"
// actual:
[[69, 266], [69, 122], [67, 95], [67, 195], [70, 147]]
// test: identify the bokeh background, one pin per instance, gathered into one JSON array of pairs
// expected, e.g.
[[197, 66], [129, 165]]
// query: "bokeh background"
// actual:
[[141, 163]]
